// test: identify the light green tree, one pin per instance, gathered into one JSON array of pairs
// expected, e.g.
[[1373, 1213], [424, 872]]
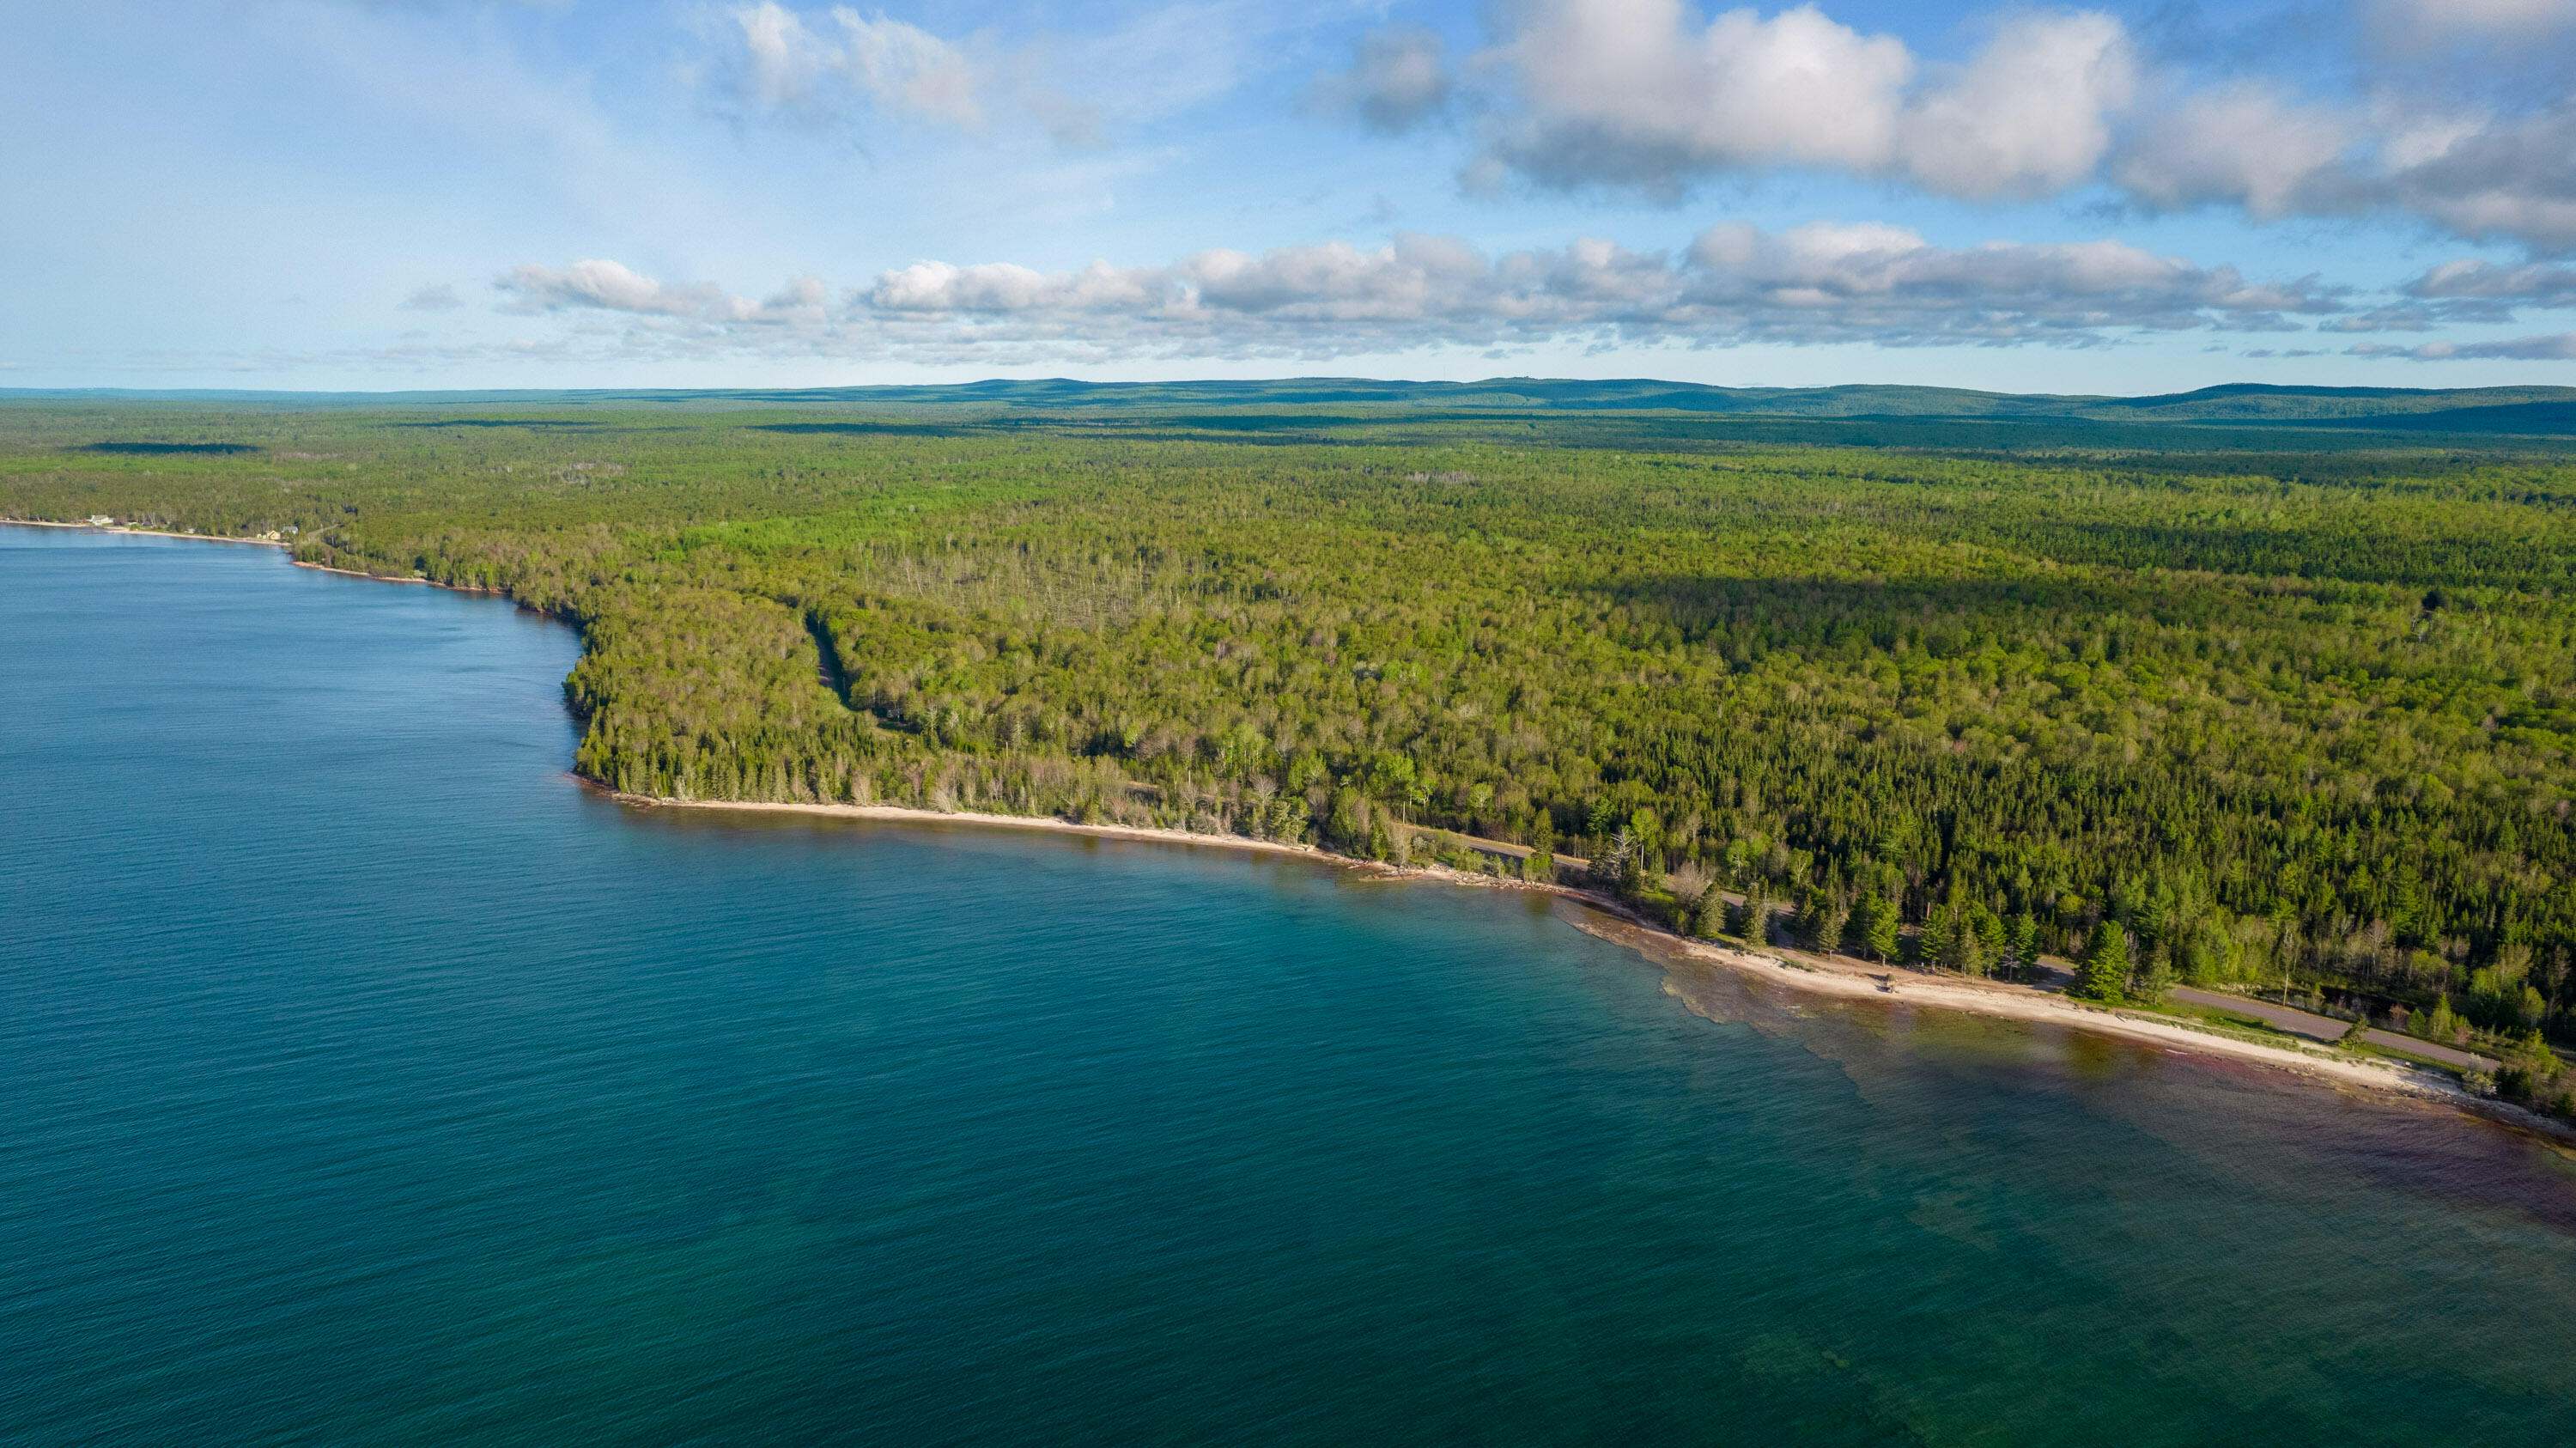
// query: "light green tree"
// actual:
[[2104, 974], [1876, 924]]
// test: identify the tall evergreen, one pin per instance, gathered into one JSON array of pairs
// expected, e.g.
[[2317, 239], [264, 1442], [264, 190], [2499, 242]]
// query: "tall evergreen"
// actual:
[[1875, 922], [2022, 946], [2103, 975]]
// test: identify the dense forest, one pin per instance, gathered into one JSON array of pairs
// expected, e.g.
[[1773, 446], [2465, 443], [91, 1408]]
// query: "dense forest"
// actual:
[[2303, 717]]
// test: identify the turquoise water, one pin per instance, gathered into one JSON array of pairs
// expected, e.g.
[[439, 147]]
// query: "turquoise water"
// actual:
[[362, 1079]]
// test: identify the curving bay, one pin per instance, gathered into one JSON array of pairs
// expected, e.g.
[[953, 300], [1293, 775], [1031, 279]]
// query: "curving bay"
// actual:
[[363, 1079]]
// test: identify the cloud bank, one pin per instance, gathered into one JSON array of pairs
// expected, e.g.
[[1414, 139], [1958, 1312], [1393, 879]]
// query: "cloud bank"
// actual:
[[1656, 98], [1732, 285]]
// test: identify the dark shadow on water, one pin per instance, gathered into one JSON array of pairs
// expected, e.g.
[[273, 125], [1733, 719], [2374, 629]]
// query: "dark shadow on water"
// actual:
[[171, 449]]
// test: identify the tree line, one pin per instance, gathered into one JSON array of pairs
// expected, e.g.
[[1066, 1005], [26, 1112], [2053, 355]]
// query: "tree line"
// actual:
[[2309, 722]]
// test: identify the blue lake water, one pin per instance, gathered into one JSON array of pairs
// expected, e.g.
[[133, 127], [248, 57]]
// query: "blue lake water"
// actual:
[[362, 1079]]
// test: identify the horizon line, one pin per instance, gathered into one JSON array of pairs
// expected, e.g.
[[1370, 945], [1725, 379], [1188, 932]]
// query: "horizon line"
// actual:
[[816, 390]]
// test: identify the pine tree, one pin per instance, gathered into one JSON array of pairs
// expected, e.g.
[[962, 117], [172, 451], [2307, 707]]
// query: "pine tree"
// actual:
[[1708, 914], [2157, 978], [2025, 946], [1875, 921], [1757, 909], [1826, 917], [2444, 1023], [1937, 942], [1991, 938], [2104, 974], [1952, 942]]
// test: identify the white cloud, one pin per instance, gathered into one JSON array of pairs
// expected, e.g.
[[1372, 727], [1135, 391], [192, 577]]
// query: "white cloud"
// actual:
[[1000, 287], [2402, 317], [1881, 274], [606, 286], [1636, 92], [1655, 97], [1641, 93], [803, 302], [1733, 285], [2479, 176], [2558, 348], [2530, 285], [2243, 145], [1399, 79], [780, 62], [2466, 290], [2502, 178], [1081, 85], [2031, 114]]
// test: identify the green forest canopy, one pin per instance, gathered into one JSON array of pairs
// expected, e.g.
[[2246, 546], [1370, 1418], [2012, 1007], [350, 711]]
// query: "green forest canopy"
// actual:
[[2291, 695]]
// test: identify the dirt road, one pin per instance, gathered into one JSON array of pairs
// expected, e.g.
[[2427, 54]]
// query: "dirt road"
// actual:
[[2326, 1028]]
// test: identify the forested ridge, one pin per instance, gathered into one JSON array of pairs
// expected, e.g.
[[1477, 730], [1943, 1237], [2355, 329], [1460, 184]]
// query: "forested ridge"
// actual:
[[2280, 716]]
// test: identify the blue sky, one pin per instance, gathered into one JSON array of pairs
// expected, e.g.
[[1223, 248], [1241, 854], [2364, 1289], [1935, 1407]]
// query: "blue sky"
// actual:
[[2141, 197]]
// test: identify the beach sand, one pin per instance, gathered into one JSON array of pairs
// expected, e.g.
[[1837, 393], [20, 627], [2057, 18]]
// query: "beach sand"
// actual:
[[1835, 977]]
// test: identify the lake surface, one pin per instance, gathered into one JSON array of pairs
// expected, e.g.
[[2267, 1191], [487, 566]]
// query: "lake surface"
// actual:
[[362, 1079]]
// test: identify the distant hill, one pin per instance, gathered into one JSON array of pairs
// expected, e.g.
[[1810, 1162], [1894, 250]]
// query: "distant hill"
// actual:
[[1262, 405], [2238, 402], [2253, 402]]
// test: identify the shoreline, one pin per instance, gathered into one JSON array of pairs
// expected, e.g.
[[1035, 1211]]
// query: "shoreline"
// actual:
[[1851, 981], [120, 530], [1608, 919], [387, 577], [908, 814]]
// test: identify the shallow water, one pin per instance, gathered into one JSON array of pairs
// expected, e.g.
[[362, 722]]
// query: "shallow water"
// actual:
[[362, 1079]]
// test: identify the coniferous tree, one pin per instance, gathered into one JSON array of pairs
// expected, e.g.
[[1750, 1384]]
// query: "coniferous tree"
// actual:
[[2024, 946], [2155, 979], [1991, 937], [1875, 922], [2443, 1024], [1707, 914], [2103, 975], [1825, 919], [1936, 943]]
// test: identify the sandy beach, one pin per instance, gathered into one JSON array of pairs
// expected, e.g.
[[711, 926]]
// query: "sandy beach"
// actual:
[[1895, 985], [1045, 824], [1841, 979], [143, 532]]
